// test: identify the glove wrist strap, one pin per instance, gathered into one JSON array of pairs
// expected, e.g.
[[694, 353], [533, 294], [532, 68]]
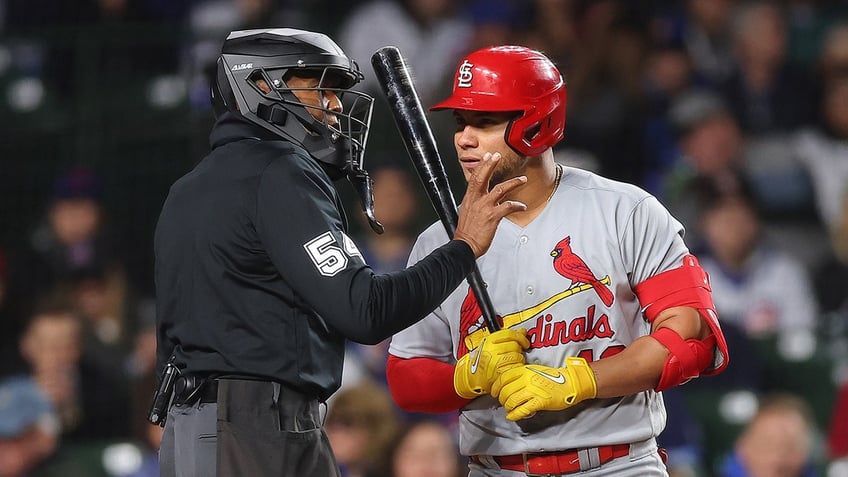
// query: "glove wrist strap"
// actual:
[[461, 384], [585, 386]]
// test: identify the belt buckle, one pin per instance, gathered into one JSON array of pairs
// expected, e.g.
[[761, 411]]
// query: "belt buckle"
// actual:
[[527, 468], [559, 471]]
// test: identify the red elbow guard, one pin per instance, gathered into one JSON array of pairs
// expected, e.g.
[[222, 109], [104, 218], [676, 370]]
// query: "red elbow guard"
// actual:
[[687, 358]]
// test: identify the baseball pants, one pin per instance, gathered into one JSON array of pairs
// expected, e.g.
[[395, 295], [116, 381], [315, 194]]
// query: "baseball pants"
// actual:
[[254, 428]]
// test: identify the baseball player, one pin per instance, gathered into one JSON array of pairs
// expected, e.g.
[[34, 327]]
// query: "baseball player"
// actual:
[[601, 304]]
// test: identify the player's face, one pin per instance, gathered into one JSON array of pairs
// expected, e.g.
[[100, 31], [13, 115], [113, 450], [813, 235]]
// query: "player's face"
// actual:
[[479, 132]]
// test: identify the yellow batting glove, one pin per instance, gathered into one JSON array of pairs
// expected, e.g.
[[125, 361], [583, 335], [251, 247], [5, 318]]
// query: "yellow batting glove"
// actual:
[[476, 371], [530, 388]]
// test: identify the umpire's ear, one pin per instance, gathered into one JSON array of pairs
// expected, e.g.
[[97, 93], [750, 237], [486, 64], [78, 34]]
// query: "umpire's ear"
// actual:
[[263, 86]]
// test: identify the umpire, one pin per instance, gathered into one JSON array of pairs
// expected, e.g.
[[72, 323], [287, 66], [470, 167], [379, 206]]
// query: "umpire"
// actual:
[[258, 284]]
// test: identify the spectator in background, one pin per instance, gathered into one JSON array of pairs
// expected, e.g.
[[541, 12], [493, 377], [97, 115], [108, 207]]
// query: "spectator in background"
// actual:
[[808, 24], [28, 427], [52, 345], [9, 327], [141, 362], [500, 22], [833, 56], [831, 281], [425, 448], [72, 237], [823, 150], [101, 304], [682, 437], [395, 206], [72, 257], [759, 288], [150, 441], [837, 437], [667, 75], [766, 93], [141, 369], [831, 276], [710, 147], [604, 85], [778, 441], [430, 34], [361, 423], [702, 27], [91, 405]]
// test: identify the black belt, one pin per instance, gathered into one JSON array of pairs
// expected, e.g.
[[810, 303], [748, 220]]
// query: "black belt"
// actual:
[[192, 388], [209, 391]]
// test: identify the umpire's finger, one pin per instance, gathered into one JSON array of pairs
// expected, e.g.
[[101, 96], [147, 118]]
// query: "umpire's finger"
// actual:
[[500, 190], [478, 183]]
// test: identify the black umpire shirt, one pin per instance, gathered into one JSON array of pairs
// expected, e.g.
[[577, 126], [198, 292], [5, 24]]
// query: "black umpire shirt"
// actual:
[[256, 276]]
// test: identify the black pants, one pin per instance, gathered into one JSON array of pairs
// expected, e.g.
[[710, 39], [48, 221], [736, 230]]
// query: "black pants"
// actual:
[[254, 428]]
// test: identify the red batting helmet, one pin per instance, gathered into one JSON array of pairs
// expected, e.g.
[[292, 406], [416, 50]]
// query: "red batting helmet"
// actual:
[[513, 78]]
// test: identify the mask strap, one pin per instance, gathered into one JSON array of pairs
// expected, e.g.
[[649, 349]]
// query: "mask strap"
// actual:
[[363, 184]]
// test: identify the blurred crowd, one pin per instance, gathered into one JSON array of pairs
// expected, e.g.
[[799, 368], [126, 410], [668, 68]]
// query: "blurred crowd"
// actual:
[[734, 113]]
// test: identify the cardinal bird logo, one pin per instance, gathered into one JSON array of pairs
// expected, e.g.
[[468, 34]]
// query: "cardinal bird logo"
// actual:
[[569, 265], [470, 320]]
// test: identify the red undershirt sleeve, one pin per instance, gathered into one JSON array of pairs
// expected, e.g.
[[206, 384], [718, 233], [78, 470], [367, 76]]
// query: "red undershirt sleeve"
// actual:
[[423, 385]]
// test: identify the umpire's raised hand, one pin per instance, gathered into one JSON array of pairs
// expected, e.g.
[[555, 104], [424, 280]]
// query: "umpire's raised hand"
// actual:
[[482, 209]]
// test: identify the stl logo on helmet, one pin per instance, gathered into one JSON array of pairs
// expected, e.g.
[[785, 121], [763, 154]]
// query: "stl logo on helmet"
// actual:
[[463, 80]]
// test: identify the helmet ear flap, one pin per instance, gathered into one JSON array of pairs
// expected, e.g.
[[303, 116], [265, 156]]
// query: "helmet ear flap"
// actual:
[[223, 99], [522, 135], [537, 129], [274, 114]]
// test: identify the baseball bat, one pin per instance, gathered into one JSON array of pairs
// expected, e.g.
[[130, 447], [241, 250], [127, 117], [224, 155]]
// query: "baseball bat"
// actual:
[[396, 82]]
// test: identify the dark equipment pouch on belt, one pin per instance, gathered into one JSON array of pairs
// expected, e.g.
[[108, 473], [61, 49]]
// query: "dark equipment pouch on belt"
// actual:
[[191, 388], [162, 397]]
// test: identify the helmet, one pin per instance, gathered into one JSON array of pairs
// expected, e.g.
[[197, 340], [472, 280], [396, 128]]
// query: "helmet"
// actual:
[[274, 55], [513, 78]]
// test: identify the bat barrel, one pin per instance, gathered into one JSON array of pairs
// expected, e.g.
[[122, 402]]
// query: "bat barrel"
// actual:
[[396, 82]]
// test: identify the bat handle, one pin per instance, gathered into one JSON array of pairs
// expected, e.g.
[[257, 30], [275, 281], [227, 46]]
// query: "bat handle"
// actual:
[[483, 299], [475, 279]]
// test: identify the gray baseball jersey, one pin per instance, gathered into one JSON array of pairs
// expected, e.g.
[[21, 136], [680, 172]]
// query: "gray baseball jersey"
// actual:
[[612, 236]]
